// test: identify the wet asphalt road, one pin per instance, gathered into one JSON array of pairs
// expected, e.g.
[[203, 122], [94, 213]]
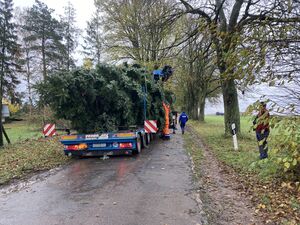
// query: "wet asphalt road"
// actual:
[[151, 189]]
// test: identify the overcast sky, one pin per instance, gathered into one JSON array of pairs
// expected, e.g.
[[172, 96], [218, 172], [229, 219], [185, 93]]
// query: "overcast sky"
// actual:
[[84, 8]]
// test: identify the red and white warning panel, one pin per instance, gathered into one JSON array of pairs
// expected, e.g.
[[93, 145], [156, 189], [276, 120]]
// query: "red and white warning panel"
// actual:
[[49, 130], [150, 126]]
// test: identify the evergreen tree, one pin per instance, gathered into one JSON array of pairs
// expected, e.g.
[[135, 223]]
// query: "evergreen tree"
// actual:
[[70, 34], [28, 58], [93, 41], [8, 55], [46, 34]]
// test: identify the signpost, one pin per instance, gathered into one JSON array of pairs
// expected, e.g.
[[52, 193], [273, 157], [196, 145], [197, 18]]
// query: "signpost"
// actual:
[[150, 126], [234, 137], [49, 130]]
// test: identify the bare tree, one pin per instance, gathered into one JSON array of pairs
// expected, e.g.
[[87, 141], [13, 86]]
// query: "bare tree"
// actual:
[[227, 21], [137, 29], [196, 74]]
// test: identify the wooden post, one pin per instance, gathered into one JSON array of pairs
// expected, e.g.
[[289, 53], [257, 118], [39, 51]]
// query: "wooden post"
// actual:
[[5, 134]]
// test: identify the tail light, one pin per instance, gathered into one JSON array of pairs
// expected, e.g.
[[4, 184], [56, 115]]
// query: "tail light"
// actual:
[[81, 146], [126, 145]]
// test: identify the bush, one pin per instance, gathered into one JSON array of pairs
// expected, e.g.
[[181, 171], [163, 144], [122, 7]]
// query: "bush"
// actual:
[[287, 141]]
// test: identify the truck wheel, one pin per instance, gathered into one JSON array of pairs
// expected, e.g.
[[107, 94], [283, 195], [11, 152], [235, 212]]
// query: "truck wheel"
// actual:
[[138, 146], [148, 139], [145, 143], [151, 136]]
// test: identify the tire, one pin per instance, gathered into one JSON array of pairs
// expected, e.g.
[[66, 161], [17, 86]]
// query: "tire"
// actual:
[[143, 139], [138, 146], [148, 139], [151, 137]]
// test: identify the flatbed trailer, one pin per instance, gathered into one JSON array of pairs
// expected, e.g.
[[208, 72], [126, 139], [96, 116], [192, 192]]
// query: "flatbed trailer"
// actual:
[[106, 144]]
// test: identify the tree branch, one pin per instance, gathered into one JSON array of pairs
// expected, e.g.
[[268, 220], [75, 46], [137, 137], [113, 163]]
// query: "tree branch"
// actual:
[[260, 18], [213, 90], [198, 11], [220, 12], [235, 14]]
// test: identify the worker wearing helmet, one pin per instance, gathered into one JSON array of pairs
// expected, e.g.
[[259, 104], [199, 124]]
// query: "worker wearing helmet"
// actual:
[[262, 129]]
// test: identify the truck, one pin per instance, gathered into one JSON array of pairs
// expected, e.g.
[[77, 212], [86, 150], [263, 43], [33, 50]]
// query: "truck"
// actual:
[[122, 142], [128, 142]]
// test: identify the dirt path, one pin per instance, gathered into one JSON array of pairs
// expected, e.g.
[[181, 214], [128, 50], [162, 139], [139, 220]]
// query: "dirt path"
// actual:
[[223, 198]]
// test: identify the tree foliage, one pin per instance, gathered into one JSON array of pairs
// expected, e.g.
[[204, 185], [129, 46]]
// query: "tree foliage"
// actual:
[[93, 47], [138, 30], [287, 143], [8, 55], [70, 35], [102, 99], [229, 22], [196, 72], [9, 49], [45, 32]]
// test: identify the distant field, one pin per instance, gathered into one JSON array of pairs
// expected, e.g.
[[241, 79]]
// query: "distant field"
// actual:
[[22, 130]]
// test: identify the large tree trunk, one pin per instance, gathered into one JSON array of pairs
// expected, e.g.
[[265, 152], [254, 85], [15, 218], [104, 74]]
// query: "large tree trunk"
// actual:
[[202, 109], [195, 111], [231, 106]]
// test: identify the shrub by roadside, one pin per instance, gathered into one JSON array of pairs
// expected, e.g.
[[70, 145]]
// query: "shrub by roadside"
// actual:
[[20, 159], [276, 198]]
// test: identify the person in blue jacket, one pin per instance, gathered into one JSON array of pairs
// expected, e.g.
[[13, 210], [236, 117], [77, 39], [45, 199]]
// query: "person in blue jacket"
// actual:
[[182, 121]]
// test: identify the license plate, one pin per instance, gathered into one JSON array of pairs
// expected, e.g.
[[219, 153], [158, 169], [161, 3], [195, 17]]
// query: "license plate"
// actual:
[[102, 145]]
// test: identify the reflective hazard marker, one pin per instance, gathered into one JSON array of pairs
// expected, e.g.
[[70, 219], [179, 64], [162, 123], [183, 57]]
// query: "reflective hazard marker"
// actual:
[[150, 126], [235, 143], [49, 130]]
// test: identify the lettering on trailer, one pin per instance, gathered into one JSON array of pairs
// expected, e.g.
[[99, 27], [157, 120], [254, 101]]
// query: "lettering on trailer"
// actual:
[[92, 136], [49, 130], [103, 136], [150, 126]]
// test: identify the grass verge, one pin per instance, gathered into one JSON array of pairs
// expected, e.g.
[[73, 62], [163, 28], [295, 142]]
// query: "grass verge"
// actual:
[[193, 149], [277, 200], [20, 159], [246, 159], [22, 130]]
